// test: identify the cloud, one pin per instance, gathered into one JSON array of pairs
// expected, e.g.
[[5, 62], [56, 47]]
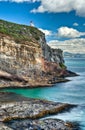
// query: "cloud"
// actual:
[[75, 24], [84, 24], [73, 45], [57, 6], [46, 32], [67, 32]]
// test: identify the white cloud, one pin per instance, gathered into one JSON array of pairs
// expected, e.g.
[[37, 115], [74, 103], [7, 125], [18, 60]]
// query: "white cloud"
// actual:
[[75, 24], [46, 32], [84, 24], [67, 32], [73, 45], [57, 6]]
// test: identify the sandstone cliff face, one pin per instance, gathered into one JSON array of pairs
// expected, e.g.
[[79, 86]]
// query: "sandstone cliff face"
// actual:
[[27, 52], [19, 58]]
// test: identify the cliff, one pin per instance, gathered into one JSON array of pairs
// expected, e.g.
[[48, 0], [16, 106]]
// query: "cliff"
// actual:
[[25, 55]]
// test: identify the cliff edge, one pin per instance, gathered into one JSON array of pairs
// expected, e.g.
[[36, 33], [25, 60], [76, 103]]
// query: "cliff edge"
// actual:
[[25, 58]]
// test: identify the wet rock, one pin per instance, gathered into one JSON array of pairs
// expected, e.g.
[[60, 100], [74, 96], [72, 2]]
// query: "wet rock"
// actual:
[[32, 109], [4, 127], [44, 124], [25, 114]]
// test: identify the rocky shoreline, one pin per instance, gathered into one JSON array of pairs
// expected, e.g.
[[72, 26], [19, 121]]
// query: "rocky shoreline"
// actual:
[[8, 80], [20, 113]]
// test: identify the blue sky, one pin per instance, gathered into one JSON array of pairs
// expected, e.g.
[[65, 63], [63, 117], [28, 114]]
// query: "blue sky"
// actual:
[[62, 22]]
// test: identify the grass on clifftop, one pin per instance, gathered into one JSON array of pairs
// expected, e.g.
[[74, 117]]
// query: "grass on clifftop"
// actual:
[[19, 32]]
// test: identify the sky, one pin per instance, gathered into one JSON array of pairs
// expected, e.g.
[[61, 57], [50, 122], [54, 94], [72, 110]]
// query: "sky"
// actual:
[[62, 21]]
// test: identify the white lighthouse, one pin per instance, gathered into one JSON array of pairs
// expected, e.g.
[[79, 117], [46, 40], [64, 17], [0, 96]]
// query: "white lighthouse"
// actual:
[[32, 24]]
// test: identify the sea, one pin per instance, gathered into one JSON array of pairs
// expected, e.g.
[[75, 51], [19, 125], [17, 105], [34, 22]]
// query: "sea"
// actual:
[[72, 92]]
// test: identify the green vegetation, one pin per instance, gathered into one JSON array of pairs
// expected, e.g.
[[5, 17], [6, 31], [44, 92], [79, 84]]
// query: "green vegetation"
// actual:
[[62, 66], [19, 32]]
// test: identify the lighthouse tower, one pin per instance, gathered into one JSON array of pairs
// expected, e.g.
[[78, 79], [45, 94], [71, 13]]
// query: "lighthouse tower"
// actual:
[[32, 24]]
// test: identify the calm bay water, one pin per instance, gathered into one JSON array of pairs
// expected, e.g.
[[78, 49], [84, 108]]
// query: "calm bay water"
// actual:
[[69, 92]]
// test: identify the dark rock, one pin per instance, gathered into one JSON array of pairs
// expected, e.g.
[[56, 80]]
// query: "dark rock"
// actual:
[[44, 124]]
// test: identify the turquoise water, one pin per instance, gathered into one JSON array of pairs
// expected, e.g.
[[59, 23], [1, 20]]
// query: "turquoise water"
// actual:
[[69, 92]]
